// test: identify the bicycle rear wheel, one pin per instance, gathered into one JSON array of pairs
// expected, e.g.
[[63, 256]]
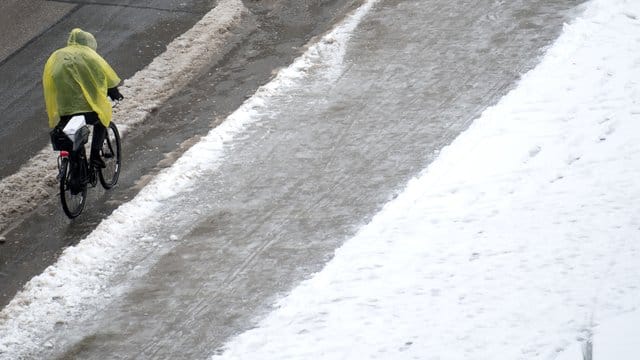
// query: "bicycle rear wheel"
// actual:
[[72, 196], [112, 157]]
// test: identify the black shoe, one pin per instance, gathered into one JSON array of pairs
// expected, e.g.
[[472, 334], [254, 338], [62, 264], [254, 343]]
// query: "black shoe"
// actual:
[[98, 163]]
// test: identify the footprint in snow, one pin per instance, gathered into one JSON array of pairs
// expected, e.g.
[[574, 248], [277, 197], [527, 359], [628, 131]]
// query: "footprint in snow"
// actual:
[[573, 158], [533, 152]]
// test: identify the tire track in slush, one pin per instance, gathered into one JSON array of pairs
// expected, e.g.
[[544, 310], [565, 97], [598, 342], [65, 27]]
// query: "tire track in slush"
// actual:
[[192, 315]]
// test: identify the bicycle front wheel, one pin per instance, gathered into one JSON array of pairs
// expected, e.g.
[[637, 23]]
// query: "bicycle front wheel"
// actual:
[[112, 157], [73, 194]]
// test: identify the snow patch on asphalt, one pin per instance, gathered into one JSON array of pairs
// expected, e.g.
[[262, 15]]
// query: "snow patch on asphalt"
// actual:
[[82, 280], [519, 242], [145, 91]]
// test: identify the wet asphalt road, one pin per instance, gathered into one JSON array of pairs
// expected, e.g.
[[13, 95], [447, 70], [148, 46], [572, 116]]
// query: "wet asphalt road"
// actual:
[[319, 164], [23, 20]]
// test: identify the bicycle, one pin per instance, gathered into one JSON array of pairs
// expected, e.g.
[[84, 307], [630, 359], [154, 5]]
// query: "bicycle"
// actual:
[[76, 174]]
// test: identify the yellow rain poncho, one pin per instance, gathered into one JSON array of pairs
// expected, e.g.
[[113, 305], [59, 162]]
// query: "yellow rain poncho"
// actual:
[[76, 79]]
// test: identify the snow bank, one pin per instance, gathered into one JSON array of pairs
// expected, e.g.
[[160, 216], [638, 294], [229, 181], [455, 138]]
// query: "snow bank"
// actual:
[[82, 280], [514, 244], [33, 183]]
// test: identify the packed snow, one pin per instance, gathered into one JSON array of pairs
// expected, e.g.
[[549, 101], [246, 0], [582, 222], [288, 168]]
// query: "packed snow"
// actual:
[[519, 242]]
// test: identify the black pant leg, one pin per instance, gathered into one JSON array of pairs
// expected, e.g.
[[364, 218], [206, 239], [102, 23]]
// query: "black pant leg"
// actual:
[[99, 132]]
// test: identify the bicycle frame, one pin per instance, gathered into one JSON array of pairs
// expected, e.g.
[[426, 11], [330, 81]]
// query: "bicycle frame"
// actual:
[[76, 173], [78, 161]]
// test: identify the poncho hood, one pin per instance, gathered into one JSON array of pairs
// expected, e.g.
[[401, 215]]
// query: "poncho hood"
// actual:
[[81, 37]]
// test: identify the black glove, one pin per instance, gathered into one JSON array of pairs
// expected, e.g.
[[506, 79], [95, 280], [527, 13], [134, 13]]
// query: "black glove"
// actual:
[[114, 94]]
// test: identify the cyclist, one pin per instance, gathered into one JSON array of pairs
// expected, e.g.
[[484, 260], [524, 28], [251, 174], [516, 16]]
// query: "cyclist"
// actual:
[[77, 81]]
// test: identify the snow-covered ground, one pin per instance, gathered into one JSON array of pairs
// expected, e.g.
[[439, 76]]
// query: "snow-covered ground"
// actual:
[[519, 242]]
